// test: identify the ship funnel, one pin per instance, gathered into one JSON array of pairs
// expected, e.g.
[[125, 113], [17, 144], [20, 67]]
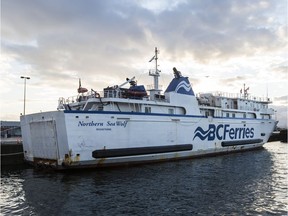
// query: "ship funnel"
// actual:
[[180, 84]]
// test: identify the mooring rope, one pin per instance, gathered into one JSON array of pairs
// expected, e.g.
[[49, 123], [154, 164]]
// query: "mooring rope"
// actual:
[[17, 153]]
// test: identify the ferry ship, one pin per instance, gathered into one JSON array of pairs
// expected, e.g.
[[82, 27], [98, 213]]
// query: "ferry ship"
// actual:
[[129, 125]]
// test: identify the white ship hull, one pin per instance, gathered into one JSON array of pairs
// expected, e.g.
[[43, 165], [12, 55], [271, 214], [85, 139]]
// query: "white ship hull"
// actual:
[[76, 139]]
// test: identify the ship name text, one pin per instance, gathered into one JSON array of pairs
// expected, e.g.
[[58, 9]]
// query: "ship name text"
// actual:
[[102, 124]]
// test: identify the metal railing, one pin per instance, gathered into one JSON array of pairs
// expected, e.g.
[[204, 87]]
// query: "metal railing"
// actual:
[[238, 96]]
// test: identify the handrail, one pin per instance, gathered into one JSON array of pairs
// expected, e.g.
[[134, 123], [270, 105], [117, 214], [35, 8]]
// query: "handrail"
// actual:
[[237, 96]]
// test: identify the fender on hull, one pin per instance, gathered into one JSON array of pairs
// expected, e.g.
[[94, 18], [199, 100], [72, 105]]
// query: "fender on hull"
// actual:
[[143, 159]]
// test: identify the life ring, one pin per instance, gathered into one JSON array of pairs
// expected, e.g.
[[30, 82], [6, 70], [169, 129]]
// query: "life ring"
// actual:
[[97, 95]]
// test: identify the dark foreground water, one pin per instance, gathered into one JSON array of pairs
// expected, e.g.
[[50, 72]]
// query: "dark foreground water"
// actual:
[[248, 183]]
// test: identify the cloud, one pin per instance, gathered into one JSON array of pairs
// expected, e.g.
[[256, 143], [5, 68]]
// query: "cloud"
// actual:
[[99, 30], [103, 42], [233, 81], [281, 100], [87, 38], [280, 69], [209, 31]]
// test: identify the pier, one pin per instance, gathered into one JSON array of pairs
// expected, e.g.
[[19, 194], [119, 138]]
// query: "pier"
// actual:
[[11, 151], [279, 136]]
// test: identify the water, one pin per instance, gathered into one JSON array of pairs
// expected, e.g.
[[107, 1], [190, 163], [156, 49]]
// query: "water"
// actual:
[[248, 183]]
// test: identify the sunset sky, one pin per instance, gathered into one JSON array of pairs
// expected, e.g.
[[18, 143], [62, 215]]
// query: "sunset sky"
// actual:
[[219, 45]]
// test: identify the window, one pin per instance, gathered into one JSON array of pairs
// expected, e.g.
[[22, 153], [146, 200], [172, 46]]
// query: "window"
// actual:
[[170, 111], [233, 115], [244, 115], [147, 109], [227, 115]]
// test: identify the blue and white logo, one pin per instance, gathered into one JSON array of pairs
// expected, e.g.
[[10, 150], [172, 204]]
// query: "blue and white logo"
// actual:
[[184, 85], [180, 85], [223, 132]]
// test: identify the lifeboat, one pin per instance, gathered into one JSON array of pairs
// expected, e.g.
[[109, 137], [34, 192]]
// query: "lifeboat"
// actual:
[[81, 89], [136, 92]]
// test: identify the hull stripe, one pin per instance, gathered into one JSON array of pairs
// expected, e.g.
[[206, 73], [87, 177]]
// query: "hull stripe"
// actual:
[[156, 114]]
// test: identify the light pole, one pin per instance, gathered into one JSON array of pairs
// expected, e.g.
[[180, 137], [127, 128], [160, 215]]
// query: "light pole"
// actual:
[[25, 78]]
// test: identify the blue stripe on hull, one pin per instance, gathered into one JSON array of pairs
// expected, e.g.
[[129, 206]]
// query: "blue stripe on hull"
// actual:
[[155, 114]]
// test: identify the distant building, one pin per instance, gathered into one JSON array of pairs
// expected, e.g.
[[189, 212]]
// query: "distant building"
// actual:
[[10, 129]]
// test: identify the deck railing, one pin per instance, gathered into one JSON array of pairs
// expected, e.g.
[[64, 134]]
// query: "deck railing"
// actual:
[[238, 96]]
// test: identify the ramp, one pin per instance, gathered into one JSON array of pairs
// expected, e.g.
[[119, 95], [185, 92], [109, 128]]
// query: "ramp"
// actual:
[[44, 139]]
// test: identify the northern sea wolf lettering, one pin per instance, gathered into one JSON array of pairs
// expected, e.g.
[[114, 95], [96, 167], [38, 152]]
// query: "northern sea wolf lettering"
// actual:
[[223, 132], [92, 123]]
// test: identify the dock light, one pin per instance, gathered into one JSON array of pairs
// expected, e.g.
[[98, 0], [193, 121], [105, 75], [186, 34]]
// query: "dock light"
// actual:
[[25, 78]]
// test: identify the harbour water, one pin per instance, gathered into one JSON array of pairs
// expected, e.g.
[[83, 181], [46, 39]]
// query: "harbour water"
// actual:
[[247, 183]]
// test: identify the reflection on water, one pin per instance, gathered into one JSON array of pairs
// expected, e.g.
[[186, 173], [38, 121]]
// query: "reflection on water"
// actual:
[[247, 183]]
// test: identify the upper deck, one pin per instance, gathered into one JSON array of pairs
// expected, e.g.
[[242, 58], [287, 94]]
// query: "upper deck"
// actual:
[[234, 101], [247, 97]]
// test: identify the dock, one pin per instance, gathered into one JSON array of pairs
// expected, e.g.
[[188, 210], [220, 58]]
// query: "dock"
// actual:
[[279, 136], [11, 151]]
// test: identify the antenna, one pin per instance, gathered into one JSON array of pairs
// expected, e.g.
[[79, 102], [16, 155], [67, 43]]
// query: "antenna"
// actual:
[[245, 92], [267, 91], [155, 73]]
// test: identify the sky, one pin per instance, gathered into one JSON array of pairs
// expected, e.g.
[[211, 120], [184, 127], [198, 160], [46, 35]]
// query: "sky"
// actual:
[[220, 45]]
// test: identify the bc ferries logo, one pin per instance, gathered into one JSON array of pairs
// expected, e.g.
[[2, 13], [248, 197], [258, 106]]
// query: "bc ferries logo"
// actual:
[[183, 84], [223, 132]]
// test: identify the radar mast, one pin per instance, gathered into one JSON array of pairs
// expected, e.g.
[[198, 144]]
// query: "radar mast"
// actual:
[[155, 73]]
